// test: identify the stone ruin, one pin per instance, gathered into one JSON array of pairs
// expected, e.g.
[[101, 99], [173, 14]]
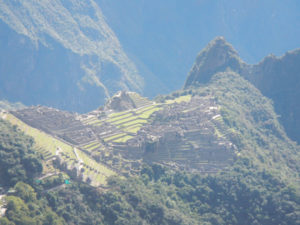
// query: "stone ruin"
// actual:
[[181, 135]]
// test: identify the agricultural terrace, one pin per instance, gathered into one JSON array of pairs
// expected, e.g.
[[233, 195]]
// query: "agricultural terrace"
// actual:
[[126, 123], [43, 142], [49, 147], [92, 170], [184, 98]]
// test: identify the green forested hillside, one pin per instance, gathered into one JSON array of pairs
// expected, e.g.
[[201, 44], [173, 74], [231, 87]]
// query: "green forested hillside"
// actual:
[[256, 131], [18, 160], [243, 195]]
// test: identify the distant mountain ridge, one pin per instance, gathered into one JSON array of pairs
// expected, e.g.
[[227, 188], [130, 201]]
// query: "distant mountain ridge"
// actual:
[[276, 77], [63, 54]]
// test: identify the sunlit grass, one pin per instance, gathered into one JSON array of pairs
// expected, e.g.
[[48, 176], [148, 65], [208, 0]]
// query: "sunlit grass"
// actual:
[[42, 140], [123, 139], [114, 137], [137, 121], [88, 161], [90, 145], [112, 115], [133, 129], [115, 118], [147, 114], [184, 98]]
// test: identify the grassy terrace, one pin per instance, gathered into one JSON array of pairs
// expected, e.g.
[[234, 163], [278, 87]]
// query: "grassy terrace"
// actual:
[[184, 98], [90, 144], [88, 120], [146, 108], [132, 122], [114, 137], [148, 113], [116, 118], [123, 139], [125, 120], [129, 122], [47, 146], [95, 122], [93, 147], [138, 100], [113, 115], [91, 166], [133, 129], [92, 121], [43, 141]]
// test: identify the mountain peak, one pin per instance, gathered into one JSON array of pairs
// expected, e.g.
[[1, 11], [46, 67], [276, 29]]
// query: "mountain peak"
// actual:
[[217, 56]]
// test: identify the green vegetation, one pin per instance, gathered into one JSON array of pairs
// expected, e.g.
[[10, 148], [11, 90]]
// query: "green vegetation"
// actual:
[[183, 98], [95, 166], [18, 159], [260, 187], [43, 140], [251, 124], [91, 145], [91, 148], [241, 195], [133, 122], [113, 115], [25, 208], [125, 120], [138, 111], [116, 118], [123, 139], [114, 137], [133, 129], [95, 123], [48, 146], [138, 100], [148, 113]]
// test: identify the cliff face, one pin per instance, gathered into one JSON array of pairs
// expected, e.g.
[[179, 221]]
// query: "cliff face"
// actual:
[[276, 77], [279, 79], [62, 53]]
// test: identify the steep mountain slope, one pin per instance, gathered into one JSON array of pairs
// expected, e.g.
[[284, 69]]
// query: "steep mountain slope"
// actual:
[[279, 79], [62, 53], [205, 128], [276, 78], [216, 154], [253, 124], [213, 153]]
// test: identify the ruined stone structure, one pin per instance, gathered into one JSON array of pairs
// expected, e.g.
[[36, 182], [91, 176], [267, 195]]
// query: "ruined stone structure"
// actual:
[[187, 134]]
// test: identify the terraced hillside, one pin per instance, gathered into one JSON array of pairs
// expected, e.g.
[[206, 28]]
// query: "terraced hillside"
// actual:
[[184, 131], [54, 149]]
